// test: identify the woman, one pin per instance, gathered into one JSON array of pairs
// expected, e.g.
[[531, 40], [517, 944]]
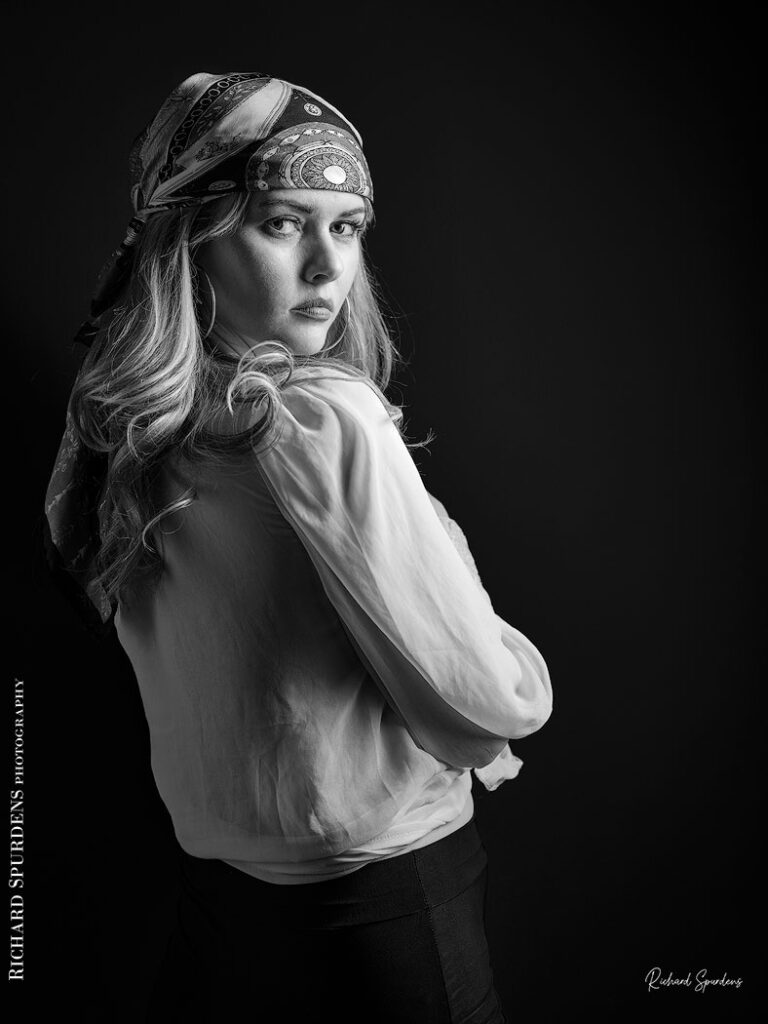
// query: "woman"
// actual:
[[320, 666]]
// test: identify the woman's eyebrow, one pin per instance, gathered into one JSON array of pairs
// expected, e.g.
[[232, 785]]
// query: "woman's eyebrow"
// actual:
[[266, 203]]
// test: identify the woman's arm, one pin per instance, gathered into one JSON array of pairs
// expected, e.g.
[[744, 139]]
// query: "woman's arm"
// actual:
[[506, 765], [462, 680], [457, 536]]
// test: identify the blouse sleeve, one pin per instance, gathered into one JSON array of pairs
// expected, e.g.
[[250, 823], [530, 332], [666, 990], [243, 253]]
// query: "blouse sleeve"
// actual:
[[462, 680], [506, 765]]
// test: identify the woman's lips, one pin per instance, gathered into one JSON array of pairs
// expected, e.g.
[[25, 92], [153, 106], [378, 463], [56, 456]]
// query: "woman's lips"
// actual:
[[313, 312]]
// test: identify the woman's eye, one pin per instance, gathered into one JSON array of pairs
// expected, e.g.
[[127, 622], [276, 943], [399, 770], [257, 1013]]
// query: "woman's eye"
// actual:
[[349, 228], [282, 226], [285, 227]]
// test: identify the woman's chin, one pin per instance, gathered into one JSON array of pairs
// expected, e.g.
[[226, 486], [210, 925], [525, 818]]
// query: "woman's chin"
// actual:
[[305, 343]]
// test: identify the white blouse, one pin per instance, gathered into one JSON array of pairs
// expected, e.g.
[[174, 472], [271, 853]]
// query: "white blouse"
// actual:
[[320, 665]]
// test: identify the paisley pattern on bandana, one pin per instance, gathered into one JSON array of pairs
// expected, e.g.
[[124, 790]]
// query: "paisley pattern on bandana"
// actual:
[[71, 527], [316, 156], [203, 139], [213, 135]]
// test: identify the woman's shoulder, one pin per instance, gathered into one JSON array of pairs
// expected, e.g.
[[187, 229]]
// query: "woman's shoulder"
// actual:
[[326, 404], [333, 379], [338, 390]]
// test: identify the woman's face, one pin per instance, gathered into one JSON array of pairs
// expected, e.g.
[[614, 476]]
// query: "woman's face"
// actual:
[[296, 248]]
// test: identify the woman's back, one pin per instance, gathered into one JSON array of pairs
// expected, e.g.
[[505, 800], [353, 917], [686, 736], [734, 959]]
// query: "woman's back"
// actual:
[[272, 743]]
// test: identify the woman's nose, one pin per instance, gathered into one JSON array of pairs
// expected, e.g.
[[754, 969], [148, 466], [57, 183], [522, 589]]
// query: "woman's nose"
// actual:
[[323, 261]]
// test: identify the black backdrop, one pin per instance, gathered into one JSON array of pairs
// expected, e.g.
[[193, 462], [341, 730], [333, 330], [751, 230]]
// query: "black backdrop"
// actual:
[[565, 232]]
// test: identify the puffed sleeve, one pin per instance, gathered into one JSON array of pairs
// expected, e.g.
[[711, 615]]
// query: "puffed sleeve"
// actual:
[[506, 765], [461, 679]]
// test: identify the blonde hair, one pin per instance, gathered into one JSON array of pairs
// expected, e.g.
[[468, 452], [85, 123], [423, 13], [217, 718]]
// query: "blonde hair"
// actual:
[[149, 386]]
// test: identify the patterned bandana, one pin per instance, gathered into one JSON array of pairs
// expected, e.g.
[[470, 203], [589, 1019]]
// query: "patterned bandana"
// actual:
[[214, 135]]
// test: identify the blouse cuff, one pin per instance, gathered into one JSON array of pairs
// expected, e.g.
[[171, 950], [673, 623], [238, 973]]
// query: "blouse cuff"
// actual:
[[504, 766]]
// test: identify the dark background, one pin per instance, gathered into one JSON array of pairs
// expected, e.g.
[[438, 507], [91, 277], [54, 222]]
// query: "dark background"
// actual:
[[565, 231]]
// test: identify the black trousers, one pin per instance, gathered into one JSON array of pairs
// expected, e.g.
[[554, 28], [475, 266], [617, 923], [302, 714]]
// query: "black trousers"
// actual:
[[399, 941]]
